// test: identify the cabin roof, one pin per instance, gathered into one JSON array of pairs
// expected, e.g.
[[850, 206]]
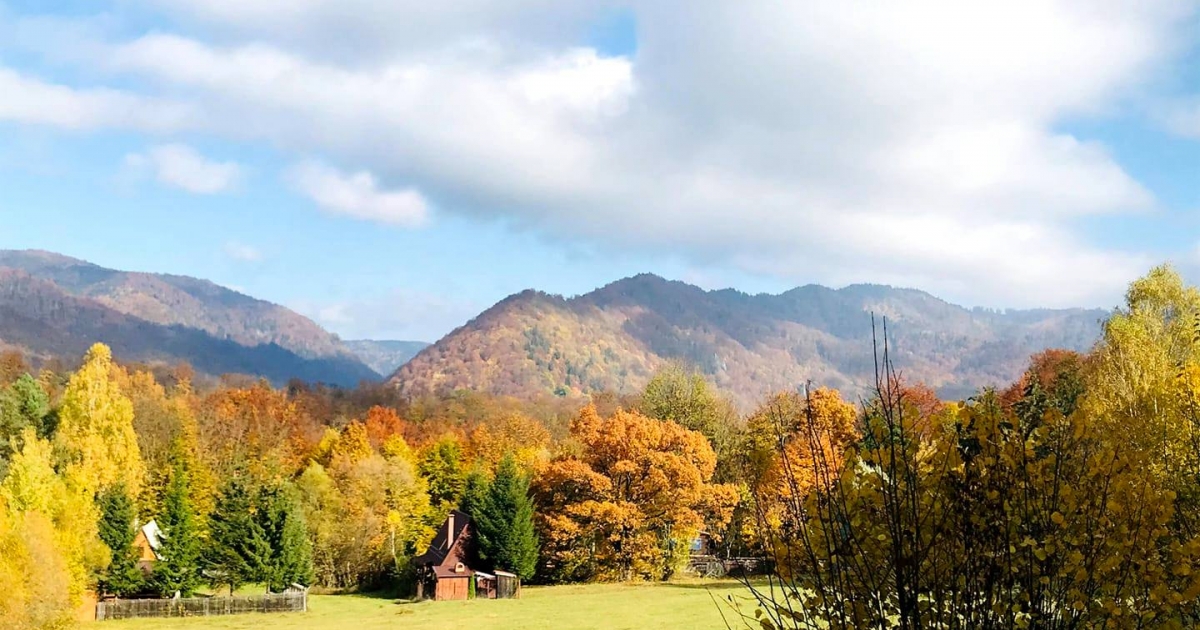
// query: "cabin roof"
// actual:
[[439, 549], [153, 537]]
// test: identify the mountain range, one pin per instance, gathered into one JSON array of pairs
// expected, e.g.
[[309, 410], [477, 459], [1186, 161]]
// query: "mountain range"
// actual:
[[54, 305], [533, 343], [615, 337]]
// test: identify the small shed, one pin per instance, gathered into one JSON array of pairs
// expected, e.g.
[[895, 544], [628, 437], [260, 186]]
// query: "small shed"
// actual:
[[508, 585], [444, 571], [148, 541]]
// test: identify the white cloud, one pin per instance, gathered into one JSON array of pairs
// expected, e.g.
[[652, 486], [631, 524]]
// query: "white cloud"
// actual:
[[833, 140], [357, 195], [29, 100], [181, 166], [242, 252]]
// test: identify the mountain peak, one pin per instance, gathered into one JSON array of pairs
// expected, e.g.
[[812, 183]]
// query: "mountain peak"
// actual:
[[39, 258]]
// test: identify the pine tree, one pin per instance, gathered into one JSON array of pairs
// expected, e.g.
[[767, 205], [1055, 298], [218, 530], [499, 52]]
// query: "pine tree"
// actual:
[[504, 524], [22, 404], [238, 550], [32, 403], [474, 493], [290, 559], [178, 568], [116, 529]]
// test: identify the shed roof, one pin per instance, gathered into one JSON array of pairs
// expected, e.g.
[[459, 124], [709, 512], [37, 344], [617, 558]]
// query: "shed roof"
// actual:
[[448, 572]]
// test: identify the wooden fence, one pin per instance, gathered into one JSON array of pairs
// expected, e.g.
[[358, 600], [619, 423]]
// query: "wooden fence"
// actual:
[[201, 606], [712, 566]]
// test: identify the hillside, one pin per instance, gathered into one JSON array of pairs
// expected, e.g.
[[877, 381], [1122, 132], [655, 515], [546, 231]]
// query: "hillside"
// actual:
[[615, 337], [52, 305], [385, 356]]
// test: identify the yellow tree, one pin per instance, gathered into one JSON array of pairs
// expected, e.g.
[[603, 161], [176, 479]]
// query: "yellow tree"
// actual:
[[1142, 383], [794, 430], [95, 441], [33, 573], [33, 488], [366, 513], [630, 503], [511, 433], [165, 423]]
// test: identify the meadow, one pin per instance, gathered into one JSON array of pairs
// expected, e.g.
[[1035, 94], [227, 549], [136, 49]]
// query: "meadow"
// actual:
[[686, 605]]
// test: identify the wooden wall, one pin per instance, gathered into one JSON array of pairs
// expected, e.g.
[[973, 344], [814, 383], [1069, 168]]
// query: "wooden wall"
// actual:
[[452, 588]]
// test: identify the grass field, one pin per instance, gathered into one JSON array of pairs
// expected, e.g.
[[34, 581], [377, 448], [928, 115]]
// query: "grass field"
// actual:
[[683, 605]]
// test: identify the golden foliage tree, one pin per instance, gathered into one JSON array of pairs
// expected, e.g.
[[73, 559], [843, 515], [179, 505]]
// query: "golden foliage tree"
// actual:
[[35, 495], [512, 433], [33, 573], [630, 503], [169, 435], [95, 440], [1142, 380], [366, 512]]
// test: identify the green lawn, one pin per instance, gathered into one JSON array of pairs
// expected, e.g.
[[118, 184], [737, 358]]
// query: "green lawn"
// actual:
[[684, 605]]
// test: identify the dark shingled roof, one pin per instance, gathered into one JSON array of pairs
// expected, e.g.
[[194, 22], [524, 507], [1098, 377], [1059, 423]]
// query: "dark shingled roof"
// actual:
[[438, 549]]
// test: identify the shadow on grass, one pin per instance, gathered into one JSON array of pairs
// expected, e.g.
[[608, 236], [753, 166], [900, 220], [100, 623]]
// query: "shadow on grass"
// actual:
[[380, 595], [715, 585]]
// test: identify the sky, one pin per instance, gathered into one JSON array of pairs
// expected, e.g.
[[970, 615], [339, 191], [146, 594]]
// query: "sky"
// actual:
[[390, 169]]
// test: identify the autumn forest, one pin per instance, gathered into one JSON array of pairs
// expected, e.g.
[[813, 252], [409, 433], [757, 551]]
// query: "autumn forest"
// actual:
[[1067, 499]]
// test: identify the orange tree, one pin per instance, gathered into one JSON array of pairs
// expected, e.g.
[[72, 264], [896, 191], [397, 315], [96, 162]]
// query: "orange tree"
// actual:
[[629, 503]]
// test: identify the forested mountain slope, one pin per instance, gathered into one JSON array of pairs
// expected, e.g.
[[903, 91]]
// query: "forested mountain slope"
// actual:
[[53, 305], [749, 345]]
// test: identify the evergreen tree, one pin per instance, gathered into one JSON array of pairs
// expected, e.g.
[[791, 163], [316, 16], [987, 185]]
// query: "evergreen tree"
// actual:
[[178, 568], [238, 551], [504, 523], [22, 404], [117, 531], [31, 404], [290, 559], [474, 493]]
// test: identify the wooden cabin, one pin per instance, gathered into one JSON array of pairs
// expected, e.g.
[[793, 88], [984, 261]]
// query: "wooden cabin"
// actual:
[[447, 570], [444, 571]]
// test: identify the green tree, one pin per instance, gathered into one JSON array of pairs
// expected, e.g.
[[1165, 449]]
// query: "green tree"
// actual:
[[290, 560], [504, 521], [32, 403], [22, 404], [474, 492], [117, 531], [238, 548], [178, 568]]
